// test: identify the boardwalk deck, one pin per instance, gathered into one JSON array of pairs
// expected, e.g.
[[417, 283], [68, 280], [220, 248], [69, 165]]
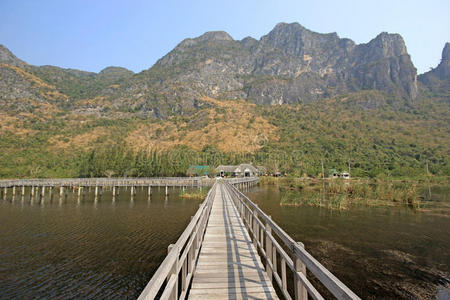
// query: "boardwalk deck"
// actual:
[[216, 255], [229, 266]]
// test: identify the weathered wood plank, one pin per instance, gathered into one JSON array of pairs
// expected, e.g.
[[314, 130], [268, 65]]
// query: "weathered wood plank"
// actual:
[[229, 266]]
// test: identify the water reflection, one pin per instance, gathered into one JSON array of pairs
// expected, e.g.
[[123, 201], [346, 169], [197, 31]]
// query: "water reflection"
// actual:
[[379, 252], [79, 247]]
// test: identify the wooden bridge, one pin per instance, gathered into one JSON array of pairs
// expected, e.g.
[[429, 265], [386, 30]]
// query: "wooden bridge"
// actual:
[[39, 187], [232, 250]]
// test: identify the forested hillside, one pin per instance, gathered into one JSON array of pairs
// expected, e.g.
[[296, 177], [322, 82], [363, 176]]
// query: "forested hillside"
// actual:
[[290, 101]]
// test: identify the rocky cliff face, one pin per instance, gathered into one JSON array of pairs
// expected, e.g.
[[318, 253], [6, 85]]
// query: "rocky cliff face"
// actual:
[[290, 64], [6, 57], [437, 81]]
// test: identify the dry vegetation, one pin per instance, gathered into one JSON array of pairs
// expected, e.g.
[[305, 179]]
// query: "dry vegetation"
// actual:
[[231, 125]]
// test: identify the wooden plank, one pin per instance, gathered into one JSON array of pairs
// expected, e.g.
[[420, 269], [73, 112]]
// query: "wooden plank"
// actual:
[[236, 297], [231, 290], [229, 266]]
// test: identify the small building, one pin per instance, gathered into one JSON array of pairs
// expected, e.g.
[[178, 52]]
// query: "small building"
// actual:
[[242, 170], [198, 170], [345, 175], [335, 174]]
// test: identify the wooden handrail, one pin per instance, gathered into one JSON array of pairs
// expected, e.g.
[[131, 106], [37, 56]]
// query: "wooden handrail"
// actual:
[[251, 215], [181, 258], [155, 181]]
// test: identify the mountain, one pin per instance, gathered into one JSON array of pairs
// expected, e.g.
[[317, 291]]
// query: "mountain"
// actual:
[[437, 81], [289, 100], [6, 57], [289, 65]]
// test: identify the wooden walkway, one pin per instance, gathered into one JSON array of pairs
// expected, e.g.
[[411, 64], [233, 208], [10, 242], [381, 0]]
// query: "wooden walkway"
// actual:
[[232, 250], [229, 266]]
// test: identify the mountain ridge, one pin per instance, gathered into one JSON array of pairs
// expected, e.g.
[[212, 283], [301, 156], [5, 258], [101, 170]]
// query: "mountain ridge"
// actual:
[[289, 100]]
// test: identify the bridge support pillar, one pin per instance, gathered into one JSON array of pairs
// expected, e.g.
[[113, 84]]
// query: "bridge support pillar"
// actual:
[[300, 291], [79, 194], [13, 193], [269, 251], [23, 191], [149, 190], [167, 191]]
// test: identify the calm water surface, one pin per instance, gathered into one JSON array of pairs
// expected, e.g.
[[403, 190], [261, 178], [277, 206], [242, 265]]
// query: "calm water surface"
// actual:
[[87, 250], [110, 250], [379, 252]]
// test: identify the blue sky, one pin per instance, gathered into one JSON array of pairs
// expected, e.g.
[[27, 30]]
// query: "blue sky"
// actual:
[[93, 34]]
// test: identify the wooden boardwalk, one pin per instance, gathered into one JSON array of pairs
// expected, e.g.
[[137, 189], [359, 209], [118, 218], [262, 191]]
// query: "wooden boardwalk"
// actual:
[[229, 266], [232, 250]]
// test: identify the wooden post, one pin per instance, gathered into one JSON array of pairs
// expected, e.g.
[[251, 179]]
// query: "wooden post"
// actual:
[[51, 193], [61, 191], [167, 191], [255, 228], [43, 193], [173, 272], [96, 195], [32, 192], [274, 259], [268, 249], [283, 274], [13, 193], [300, 291], [149, 190], [79, 194], [23, 191], [114, 193], [5, 191]]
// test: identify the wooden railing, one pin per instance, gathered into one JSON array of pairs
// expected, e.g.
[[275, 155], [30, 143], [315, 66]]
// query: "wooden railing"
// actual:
[[153, 181], [265, 236], [179, 264], [242, 180]]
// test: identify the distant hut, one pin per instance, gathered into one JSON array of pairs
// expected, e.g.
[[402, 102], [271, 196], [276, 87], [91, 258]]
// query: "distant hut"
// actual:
[[345, 175], [224, 170], [247, 170], [334, 173], [242, 170]]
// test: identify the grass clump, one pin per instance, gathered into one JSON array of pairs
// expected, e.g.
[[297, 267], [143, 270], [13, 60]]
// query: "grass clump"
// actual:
[[194, 194]]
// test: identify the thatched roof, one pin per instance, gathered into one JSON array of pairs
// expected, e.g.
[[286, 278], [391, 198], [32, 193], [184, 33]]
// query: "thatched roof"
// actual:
[[224, 168], [236, 169]]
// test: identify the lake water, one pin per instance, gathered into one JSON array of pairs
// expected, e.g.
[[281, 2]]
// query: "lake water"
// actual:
[[87, 250], [379, 252], [106, 249]]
